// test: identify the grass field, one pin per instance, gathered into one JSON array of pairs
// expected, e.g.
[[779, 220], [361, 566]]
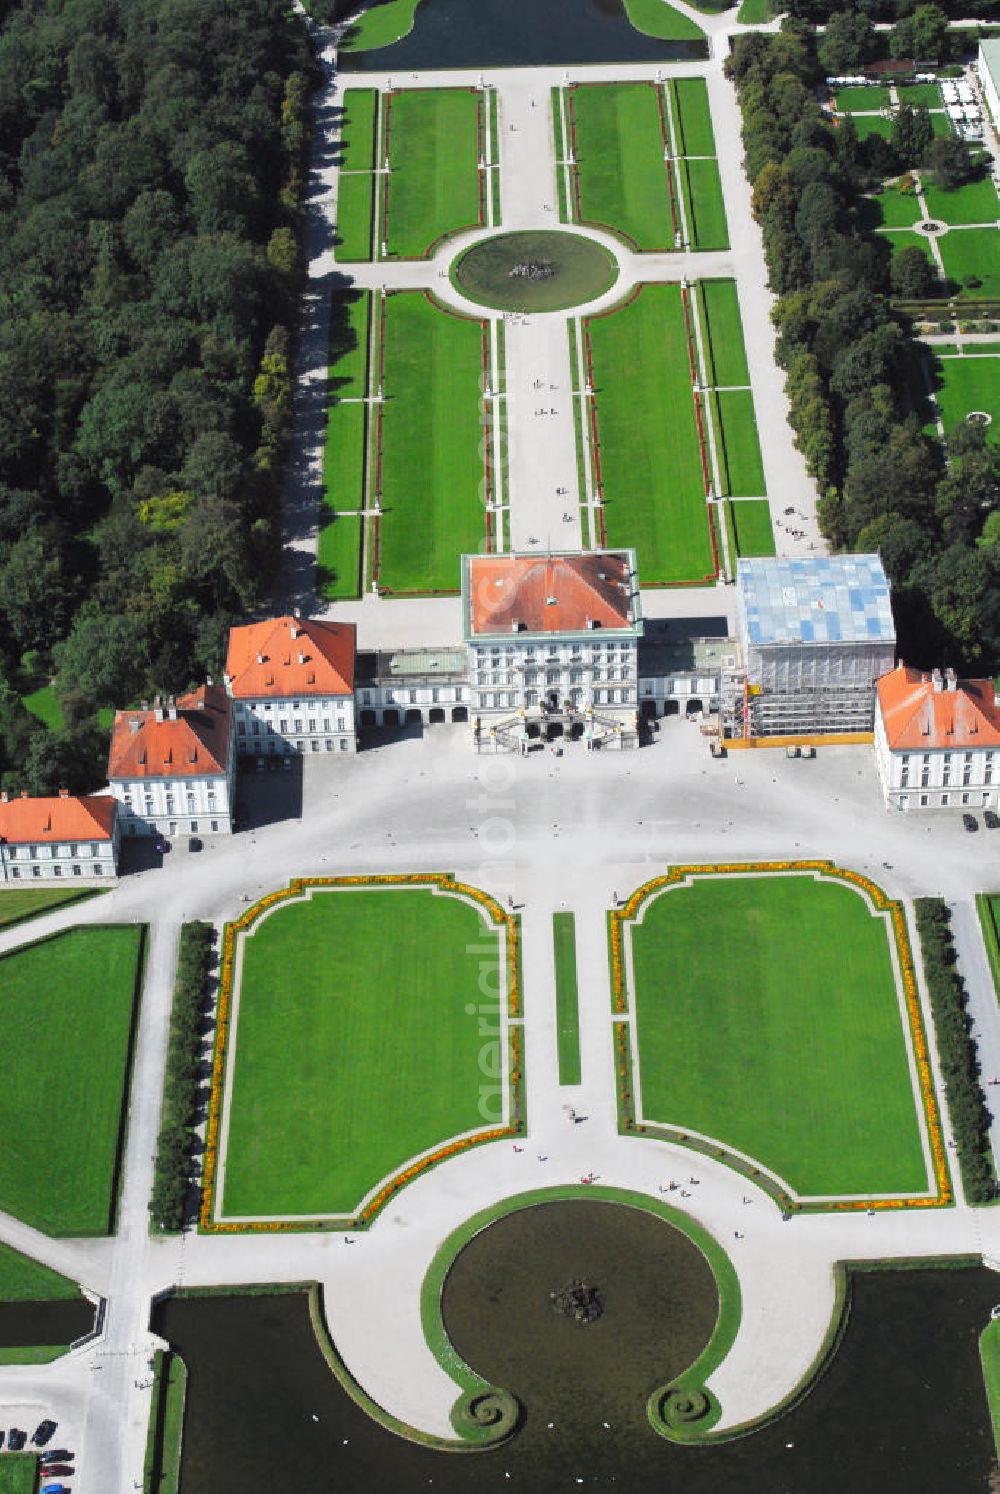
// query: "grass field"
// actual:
[[989, 1354], [18, 1473], [898, 209], [620, 168], [567, 1003], [740, 466], [433, 145], [754, 13], [693, 116], [432, 468], [653, 483], [66, 1011], [657, 19], [355, 1046], [787, 1041], [902, 238], [964, 384], [703, 202], [25, 1280], [17, 904], [722, 328], [975, 252], [872, 124], [356, 182], [44, 705], [166, 1423], [916, 94], [339, 544], [976, 202], [381, 26], [988, 907], [751, 527], [863, 98]]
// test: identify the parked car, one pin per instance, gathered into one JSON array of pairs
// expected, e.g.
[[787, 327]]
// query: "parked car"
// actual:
[[65, 1470], [260, 765], [55, 1489], [969, 822], [16, 1439], [57, 1455], [161, 846], [44, 1432], [991, 819], [194, 844]]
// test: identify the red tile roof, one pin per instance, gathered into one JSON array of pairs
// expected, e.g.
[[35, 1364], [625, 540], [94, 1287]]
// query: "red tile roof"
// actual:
[[193, 745], [919, 717], [27, 821], [288, 656], [549, 593]]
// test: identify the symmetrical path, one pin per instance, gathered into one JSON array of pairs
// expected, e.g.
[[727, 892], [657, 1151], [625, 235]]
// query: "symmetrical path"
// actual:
[[578, 830], [541, 447]]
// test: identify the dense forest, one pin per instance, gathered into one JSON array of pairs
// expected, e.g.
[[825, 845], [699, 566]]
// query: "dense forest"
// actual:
[[152, 155], [852, 368], [819, 12]]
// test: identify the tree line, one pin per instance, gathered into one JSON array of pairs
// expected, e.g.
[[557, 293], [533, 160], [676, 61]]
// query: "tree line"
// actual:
[[854, 374], [185, 1091], [152, 156]]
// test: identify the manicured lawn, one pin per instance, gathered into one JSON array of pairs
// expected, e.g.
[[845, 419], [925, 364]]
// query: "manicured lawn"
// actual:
[[355, 201], [899, 209], [66, 1013], [432, 467], [18, 904], [740, 462], [25, 1280], [754, 13], [973, 251], [433, 155], [989, 1353], [863, 98], [693, 117], [706, 210], [18, 1473], [381, 25], [872, 124], [940, 124], [658, 19], [355, 1046], [965, 384], [339, 545], [653, 484], [988, 907], [768, 1018], [927, 94], [357, 129], [976, 202], [567, 1003], [904, 238], [618, 146], [722, 329], [751, 527]]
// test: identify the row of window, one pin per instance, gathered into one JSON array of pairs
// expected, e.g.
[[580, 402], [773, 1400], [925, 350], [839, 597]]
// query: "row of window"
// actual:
[[574, 651], [930, 801], [265, 707], [499, 700], [95, 869], [313, 725], [48, 852], [956, 768]]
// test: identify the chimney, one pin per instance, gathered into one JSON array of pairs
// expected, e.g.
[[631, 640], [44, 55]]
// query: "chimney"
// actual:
[[24, 793], [64, 793], [158, 714], [133, 725], [208, 681], [302, 657], [171, 709], [4, 797], [296, 630], [260, 658], [937, 681], [951, 680], [515, 625]]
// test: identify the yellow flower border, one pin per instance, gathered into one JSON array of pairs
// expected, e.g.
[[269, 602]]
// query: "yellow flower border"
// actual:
[[883, 904], [509, 923]]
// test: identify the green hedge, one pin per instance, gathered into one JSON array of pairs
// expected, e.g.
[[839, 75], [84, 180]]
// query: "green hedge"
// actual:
[[957, 1051], [182, 1083]]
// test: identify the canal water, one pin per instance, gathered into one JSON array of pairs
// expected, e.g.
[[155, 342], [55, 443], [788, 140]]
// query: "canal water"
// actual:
[[30, 1325], [901, 1406], [519, 33]]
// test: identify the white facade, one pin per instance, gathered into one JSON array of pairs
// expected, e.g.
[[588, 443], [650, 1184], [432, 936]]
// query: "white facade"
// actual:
[[36, 861], [557, 673], [988, 66], [306, 724], [938, 778], [177, 806]]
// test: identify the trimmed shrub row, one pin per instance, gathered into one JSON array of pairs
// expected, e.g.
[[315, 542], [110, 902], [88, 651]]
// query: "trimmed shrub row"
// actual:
[[957, 1050], [183, 1079]]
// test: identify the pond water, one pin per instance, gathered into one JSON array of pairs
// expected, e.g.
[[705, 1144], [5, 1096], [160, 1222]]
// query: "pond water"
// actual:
[[902, 1406], [28, 1325], [519, 33]]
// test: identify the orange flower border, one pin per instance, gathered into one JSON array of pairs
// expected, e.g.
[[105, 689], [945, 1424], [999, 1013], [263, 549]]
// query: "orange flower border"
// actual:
[[508, 923], [673, 877]]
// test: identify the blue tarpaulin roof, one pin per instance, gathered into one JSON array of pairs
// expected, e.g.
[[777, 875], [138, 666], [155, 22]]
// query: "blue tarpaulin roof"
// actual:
[[822, 599]]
